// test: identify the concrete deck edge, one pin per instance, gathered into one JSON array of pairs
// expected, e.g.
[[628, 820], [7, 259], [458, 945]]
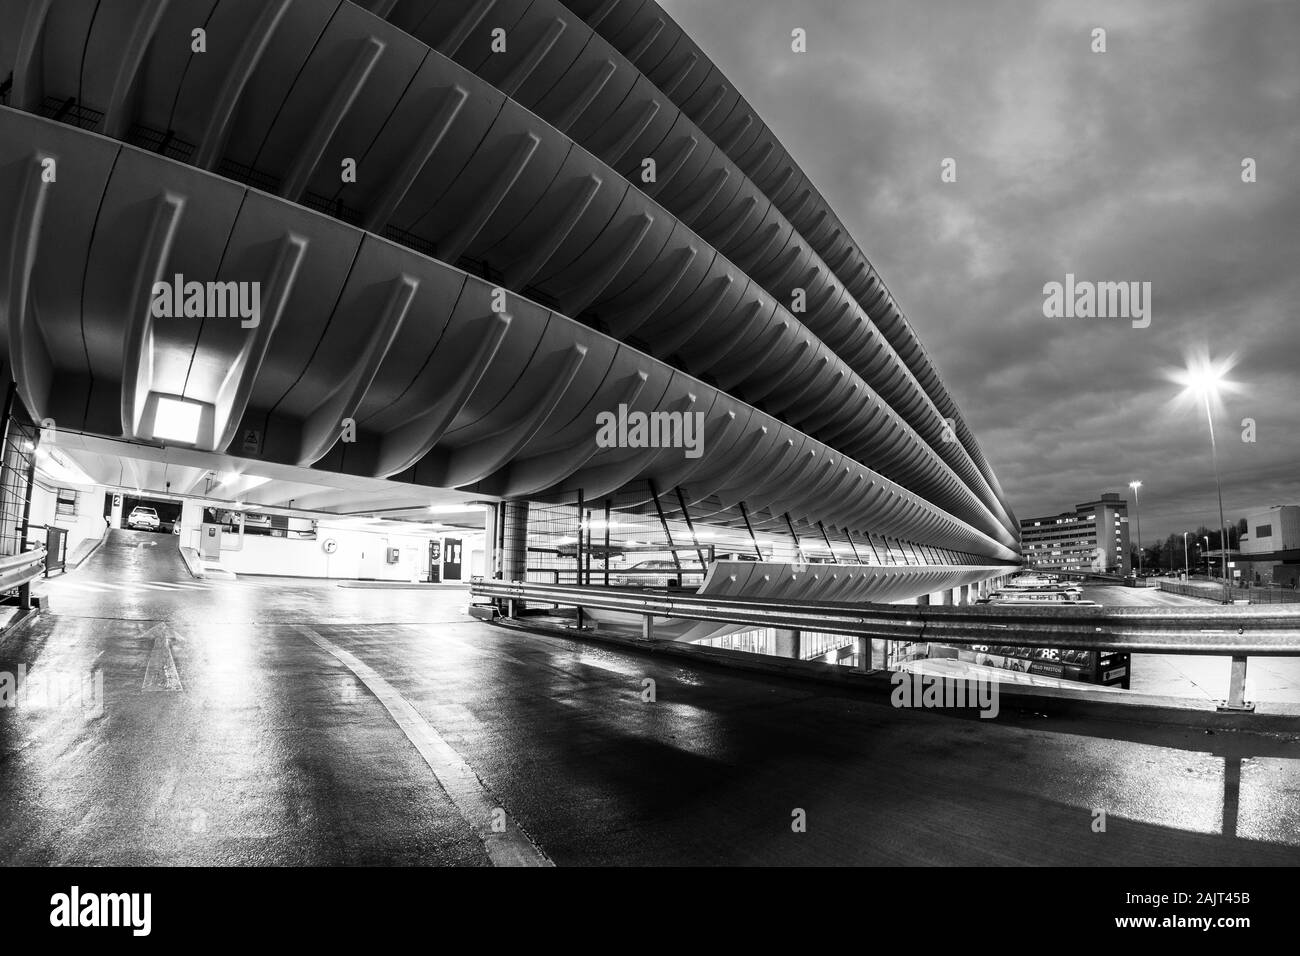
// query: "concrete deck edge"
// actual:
[[20, 621], [87, 556], [192, 564], [1126, 706]]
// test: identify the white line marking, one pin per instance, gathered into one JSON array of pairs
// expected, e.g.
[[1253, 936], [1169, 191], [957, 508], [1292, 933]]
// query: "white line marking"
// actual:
[[476, 804], [160, 672]]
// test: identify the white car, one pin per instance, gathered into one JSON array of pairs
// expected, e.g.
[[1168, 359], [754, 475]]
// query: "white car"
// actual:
[[651, 574], [143, 518]]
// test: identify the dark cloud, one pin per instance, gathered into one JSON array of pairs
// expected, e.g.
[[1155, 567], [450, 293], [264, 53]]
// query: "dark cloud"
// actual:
[[1122, 166]]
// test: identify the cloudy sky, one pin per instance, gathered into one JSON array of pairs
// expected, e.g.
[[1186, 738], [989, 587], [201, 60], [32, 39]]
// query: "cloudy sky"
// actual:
[[1115, 166]]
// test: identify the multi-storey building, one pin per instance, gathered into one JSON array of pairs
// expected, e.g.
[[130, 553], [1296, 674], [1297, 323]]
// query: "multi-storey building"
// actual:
[[1092, 537], [1270, 548]]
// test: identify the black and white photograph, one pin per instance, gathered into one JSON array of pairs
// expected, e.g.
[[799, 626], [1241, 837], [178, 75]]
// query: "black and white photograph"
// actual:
[[586, 434]]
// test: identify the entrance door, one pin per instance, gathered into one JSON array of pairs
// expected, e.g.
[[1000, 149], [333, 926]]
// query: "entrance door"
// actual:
[[372, 559], [435, 561], [451, 560]]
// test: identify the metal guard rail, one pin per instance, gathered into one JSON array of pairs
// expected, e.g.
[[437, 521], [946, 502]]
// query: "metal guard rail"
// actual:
[[20, 570], [1237, 632], [1219, 630]]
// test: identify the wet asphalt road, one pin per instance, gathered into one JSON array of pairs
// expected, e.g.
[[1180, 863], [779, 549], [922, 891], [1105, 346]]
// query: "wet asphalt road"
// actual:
[[287, 722]]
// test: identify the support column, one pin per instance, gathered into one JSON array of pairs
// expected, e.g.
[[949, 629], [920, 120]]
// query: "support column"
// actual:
[[514, 559], [945, 597], [1237, 688], [491, 549], [923, 600], [864, 654], [787, 644]]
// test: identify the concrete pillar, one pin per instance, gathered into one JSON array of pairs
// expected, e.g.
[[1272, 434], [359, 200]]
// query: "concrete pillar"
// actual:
[[945, 597], [514, 560], [923, 600], [491, 554], [864, 653], [787, 644], [963, 595]]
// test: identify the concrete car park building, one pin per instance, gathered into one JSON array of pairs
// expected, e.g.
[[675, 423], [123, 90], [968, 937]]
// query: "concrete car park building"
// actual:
[[352, 261], [530, 469]]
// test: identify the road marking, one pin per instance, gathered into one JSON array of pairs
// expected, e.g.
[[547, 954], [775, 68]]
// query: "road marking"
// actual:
[[160, 672], [475, 803]]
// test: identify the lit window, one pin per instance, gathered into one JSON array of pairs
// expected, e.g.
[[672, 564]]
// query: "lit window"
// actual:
[[177, 420]]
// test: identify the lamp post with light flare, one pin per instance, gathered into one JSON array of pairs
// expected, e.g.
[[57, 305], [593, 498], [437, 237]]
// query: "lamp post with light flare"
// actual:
[[1203, 380], [1135, 485]]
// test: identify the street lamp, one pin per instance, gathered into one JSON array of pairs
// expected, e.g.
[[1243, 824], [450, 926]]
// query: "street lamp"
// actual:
[[1135, 485], [1187, 570], [1202, 379]]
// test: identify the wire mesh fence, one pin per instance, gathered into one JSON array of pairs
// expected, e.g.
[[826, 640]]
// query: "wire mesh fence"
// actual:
[[1220, 593], [16, 466]]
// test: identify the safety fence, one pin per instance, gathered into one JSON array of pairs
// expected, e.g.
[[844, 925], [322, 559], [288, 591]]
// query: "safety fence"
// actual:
[[1221, 594]]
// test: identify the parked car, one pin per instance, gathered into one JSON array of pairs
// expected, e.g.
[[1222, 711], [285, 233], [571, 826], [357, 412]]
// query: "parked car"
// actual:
[[144, 519], [651, 574]]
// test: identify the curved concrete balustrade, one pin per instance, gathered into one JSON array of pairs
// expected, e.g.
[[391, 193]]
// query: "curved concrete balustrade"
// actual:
[[359, 84], [444, 390], [632, 120], [656, 44]]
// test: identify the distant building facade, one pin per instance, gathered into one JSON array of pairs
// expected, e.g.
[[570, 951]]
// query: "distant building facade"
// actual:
[[1270, 548], [1092, 537]]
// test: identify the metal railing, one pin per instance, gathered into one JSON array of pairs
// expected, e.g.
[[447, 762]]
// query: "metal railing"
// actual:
[[56, 549], [19, 571], [1262, 594], [623, 577], [1237, 632]]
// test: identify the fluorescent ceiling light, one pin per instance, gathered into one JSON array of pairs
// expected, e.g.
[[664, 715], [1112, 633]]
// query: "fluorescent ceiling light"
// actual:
[[177, 420], [58, 468], [248, 482]]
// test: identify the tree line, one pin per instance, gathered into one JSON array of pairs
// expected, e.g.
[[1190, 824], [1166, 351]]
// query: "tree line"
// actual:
[[1167, 555]]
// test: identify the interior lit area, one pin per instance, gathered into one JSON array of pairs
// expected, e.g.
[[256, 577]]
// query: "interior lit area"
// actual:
[[230, 516]]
